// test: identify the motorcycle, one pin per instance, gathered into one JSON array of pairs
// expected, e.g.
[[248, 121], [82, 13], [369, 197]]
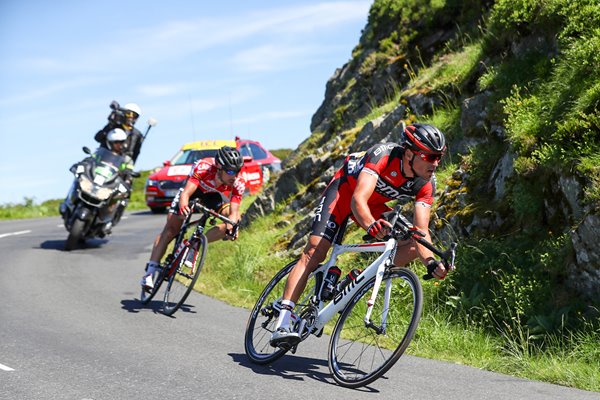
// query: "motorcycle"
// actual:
[[97, 198]]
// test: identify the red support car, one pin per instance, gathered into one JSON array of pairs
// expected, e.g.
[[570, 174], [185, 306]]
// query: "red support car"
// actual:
[[269, 163], [162, 185]]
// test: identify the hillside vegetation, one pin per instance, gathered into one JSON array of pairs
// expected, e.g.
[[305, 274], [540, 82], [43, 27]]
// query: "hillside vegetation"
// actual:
[[515, 85]]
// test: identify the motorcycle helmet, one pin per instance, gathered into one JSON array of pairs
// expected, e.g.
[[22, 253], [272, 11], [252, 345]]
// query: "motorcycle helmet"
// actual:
[[423, 138], [229, 158], [116, 135], [132, 112]]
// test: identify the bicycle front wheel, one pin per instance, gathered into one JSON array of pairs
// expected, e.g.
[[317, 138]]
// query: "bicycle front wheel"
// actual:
[[360, 353], [184, 277], [158, 277]]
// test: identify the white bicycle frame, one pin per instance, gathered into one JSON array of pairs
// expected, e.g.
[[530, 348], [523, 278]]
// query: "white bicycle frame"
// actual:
[[376, 268]]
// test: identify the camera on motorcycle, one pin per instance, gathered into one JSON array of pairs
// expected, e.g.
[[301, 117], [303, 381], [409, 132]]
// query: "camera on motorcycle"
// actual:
[[86, 150]]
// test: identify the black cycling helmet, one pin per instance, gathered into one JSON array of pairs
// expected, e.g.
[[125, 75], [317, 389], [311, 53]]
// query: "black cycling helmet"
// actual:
[[424, 138], [229, 158]]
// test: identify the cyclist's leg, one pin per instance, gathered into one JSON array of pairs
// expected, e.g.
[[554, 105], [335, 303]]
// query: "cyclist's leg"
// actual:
[[159, 247], [170, 230], [406, 251], [313, 254], [216, 202], [333, 209]]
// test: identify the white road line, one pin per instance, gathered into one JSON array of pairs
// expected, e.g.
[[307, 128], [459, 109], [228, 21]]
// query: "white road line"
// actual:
[[5, 368], [13, 234]]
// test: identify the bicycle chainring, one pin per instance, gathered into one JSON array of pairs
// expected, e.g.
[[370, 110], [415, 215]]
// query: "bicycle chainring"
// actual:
[[309, 315]]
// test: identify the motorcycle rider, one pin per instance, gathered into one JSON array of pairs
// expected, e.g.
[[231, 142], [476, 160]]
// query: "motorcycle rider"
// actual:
[[116, 140], [115, 143], [219, 187], [124, 118]]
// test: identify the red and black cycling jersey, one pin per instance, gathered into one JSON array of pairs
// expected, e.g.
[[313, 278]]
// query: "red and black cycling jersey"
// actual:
[[383, 161], [203, 175]]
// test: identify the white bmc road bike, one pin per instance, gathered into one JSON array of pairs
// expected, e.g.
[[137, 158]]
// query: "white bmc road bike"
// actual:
[[370, 335]]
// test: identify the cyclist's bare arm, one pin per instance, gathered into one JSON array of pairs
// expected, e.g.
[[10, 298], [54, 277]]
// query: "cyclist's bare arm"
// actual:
[[184, 199], [234, 215], [421, 222]]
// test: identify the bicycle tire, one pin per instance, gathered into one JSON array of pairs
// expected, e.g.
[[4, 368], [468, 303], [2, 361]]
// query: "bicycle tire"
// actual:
[[158, 278], [182, 280], [258, 334], [355, 349]]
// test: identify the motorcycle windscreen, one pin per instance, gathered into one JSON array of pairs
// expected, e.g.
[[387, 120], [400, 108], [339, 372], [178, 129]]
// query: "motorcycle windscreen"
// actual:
[[107, 165]]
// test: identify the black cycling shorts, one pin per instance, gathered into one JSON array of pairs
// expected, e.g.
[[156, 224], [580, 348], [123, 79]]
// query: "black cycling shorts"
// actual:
[[213, 200], [334, 208]]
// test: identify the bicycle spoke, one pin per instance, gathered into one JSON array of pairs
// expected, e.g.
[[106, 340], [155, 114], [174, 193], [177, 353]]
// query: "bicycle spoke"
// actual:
[[358, 353], [184, 278], [262, 323]]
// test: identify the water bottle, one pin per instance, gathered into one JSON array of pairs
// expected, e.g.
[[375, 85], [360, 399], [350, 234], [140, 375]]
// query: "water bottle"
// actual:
[[190, 258], [347, 279], [333, 275]]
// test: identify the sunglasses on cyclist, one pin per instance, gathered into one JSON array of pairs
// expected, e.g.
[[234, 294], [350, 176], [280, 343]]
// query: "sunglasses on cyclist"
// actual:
[[429, 157], [231, 172], [130, 114]]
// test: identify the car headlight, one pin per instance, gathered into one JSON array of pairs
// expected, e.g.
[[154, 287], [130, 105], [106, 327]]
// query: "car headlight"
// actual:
[[151, 182]]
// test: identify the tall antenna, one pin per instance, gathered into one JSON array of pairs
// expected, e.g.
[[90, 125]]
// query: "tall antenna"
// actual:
[[192, 117], [230, 117]]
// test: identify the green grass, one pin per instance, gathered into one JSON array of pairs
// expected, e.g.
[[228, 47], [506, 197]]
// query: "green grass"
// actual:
[[28, 208], [236, 272], [449, 71]]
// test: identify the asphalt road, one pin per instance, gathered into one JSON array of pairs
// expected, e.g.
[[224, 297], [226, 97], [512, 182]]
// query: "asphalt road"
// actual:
[[71, 327]]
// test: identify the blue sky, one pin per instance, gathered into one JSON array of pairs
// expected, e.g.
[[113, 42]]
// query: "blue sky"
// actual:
[[203, 69]]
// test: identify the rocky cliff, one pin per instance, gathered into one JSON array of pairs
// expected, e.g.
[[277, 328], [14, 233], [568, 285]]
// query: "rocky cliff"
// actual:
[[515, 89]]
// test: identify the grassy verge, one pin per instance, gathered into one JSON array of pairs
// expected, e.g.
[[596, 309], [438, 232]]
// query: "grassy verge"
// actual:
[[28, 208], [236, 272]]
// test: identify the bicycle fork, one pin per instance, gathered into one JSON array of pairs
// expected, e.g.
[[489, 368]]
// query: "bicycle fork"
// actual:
[[386, 300]]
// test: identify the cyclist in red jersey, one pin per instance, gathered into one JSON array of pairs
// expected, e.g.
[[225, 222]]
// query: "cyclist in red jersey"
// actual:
[[219, 187], [359, 190]]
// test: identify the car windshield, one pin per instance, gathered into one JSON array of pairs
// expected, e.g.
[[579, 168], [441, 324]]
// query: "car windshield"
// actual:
[[191, 156]]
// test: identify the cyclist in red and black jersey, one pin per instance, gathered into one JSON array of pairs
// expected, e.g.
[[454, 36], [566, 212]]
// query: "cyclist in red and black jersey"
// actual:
[[219, 187], [359, 190]]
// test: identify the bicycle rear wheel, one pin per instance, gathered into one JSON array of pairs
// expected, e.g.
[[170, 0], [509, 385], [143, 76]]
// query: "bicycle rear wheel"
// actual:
[[265, 313], [359, 354], [183, 279]]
